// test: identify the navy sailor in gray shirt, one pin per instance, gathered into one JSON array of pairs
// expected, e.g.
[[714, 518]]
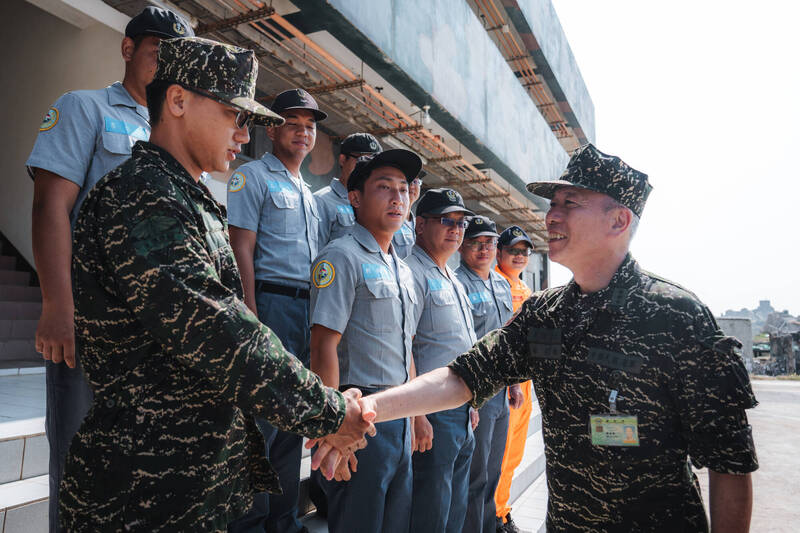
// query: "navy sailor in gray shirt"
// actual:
[[363, 306]]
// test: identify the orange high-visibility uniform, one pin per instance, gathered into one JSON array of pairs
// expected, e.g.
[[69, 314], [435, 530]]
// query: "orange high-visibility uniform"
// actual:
[[518, 418]]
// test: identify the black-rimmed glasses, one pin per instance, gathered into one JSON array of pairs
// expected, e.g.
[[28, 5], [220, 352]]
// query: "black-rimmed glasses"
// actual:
[[451, 222], [244, 119], [478, 246], [518, 251]]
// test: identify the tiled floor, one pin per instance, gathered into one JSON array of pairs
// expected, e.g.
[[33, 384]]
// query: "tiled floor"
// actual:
[[22, 397], [530, 509]]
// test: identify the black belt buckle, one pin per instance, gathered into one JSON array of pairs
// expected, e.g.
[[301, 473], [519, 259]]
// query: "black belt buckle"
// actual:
[[283, 290]]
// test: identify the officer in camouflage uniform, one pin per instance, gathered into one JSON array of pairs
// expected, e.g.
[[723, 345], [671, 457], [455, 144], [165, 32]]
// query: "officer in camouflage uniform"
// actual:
[[178, 364], [633, 375]]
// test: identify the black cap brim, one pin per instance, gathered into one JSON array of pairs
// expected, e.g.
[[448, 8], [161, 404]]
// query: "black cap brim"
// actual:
[[405, 161], [319, 116], [482, 234], [448, 209]]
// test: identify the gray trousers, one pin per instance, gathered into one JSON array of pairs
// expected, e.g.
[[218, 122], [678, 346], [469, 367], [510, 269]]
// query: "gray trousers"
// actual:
[[68, 400], [288, 317], [484, 473]]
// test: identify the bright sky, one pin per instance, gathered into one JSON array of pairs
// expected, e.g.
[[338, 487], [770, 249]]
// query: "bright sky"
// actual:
[[704, 96]]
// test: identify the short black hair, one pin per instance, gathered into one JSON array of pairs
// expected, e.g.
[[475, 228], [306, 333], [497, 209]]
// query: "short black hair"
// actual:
[[156, 95]]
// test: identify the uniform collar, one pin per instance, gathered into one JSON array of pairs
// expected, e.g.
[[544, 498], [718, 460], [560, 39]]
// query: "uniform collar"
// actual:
[[148, 150], [426, 260], [614, 295], [119, 95], [471, 274], [365, 238], [339, 188], [275, 165]]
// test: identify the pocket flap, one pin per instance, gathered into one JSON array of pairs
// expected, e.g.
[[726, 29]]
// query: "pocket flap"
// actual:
[[285, 199], [117, 143]]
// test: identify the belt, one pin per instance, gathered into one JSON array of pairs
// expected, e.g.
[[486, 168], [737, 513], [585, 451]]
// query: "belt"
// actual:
[[273, 288]]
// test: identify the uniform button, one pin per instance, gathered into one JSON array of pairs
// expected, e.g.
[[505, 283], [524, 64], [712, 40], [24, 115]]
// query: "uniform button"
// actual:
[[110, 403]]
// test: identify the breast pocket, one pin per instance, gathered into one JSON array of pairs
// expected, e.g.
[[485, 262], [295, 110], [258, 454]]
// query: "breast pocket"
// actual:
[[444, 311], [284, 216], [345, 218], [380, 304], [117, 144]]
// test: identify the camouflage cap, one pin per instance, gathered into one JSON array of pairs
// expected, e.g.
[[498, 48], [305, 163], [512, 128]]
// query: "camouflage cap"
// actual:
[[226, 72], [589, 168]]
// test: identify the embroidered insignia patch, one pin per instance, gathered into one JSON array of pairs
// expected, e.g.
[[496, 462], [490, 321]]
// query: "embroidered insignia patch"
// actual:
[[50, 119], [451, 195], [178, 28], [478, 221], [517, 232], [323, 274], [236, 182], [373, 145]]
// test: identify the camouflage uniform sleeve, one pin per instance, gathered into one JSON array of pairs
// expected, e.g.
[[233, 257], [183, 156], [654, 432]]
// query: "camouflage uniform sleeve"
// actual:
[[712, 390], [162, 269], [498, 359]]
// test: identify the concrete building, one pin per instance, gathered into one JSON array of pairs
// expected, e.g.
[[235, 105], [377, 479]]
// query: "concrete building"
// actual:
[[742, 329], [487, 92]]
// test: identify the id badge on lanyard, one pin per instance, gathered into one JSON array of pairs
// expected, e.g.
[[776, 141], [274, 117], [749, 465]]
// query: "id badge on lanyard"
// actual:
[[614, 428]]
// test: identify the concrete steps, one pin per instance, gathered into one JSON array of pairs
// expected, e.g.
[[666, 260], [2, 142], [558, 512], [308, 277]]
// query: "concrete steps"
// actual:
[[24, 459]]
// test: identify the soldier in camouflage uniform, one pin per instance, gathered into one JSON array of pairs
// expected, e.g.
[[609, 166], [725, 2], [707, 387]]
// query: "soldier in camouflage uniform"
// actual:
[[634, 377], [178, 364]]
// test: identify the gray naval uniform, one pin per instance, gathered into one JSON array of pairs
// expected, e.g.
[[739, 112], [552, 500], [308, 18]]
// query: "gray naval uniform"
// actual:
[[335, 212], [84, 135], [491, 309], [265, 198], [444, 329], [368, 296], [659, 347], [404, 238]]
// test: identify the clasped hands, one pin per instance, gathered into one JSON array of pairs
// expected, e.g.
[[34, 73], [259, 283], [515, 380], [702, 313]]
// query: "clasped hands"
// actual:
[[335, 456]]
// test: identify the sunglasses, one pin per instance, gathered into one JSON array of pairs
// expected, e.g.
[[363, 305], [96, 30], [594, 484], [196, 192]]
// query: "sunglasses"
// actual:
[[450, 222], [519, 251], [478, 246], [243, 118]]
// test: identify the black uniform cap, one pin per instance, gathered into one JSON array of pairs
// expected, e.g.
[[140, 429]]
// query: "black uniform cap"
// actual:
[[360, 143], [405, 161], [159, 23], [297, 99], [512, 235], [481, 226], [441, 202]]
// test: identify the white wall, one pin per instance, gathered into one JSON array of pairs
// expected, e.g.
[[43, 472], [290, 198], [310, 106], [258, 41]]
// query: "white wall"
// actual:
[[42, 57]]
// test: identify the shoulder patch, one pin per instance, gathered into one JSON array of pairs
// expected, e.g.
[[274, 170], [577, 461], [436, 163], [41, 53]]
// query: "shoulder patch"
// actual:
[[236, 183], [50, 119], [323, 274]]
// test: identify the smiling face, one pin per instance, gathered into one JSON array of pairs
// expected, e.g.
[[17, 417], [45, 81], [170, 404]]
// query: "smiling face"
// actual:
[[212, 138], [439, 240], [476, 254], [513, 264], [296, 138], [580, 227], [382, 203]]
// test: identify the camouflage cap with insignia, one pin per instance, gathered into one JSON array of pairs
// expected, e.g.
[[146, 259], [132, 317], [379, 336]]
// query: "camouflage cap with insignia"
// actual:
[[589, 168], [226, 72]]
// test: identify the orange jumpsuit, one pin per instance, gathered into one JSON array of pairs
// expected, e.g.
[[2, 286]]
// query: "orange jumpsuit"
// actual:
[[518, 418]]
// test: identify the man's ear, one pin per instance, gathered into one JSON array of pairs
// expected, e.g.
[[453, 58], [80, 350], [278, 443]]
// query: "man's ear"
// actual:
[[127, 48], [621, 219], [355, 198], [419, 225], [342, 159], [176, 100]]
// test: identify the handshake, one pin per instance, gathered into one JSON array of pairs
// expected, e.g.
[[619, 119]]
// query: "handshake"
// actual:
[[335, 455]]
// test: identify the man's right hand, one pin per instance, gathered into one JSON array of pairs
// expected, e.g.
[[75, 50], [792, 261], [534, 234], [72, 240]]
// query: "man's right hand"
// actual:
[[349, 437], [55, 334], [423, 434]]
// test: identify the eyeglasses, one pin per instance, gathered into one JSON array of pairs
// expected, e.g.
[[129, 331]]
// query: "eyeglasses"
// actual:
[[478, 246], [243, 118], [417, 182], [518, 251], [359, 156], [450, 222]]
